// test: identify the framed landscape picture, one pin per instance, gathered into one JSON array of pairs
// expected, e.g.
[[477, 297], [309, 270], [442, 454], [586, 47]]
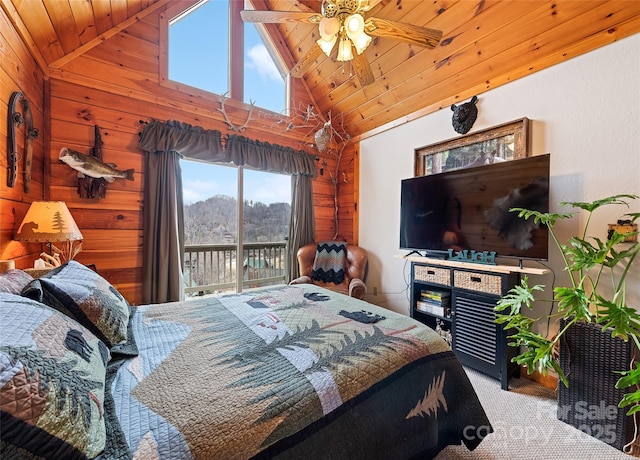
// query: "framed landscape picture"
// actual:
[[505, 142]]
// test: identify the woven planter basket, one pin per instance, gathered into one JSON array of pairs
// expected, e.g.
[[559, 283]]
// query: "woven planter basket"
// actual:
[[589, 358]]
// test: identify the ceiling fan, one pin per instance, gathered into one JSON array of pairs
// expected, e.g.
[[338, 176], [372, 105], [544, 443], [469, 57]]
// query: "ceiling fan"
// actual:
[[342, 22]]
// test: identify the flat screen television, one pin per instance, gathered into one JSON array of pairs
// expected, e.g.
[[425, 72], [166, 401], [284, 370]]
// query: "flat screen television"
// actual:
[[469, 209]]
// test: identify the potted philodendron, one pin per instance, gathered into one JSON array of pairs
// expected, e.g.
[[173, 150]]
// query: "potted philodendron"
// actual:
[[594, 302]]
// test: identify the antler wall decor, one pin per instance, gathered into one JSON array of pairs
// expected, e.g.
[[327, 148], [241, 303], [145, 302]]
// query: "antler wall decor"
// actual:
[[328, 136], [233, 127]]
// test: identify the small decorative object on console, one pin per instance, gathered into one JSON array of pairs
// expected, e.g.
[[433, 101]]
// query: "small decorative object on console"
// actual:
[[480, 257]]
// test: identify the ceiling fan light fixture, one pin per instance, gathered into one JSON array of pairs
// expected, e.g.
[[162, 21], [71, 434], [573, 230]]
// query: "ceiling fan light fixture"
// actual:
[[344, 49], [329, 28], [327, 45], [354, 24], [361, 43]]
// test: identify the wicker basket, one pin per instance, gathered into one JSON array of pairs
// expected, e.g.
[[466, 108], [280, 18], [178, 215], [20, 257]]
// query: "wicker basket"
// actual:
[[432, 274], [590, 358], [490, 284]]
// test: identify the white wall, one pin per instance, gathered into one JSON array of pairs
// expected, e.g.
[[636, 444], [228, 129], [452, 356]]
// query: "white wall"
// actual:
[[585, 112]]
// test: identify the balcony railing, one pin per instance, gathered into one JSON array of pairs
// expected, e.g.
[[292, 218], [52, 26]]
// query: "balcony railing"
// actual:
[[211, 268]]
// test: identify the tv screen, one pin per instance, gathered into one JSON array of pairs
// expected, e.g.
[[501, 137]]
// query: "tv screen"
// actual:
[[469, 209]]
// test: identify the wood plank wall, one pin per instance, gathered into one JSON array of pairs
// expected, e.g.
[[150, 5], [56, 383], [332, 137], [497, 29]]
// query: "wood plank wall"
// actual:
[[115, 86], [19, 72]]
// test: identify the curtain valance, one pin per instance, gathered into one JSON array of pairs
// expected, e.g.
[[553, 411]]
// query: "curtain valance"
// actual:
[[269, 157], [190, 141], [204, 144]]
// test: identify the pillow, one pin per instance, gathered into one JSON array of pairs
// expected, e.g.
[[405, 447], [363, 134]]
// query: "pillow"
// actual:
[[84, 295], [13, 281], [52, 383]]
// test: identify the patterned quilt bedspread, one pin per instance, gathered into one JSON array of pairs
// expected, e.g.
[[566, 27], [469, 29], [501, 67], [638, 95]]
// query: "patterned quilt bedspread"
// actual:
[[287, 372]]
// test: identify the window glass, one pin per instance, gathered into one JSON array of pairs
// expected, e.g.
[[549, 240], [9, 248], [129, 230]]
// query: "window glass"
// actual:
[[199, 47], [263, 80], [267, 206], [199, 57], [211, 211]]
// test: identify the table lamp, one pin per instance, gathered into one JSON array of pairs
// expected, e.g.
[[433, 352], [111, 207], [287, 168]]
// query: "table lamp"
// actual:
[[50, 222]]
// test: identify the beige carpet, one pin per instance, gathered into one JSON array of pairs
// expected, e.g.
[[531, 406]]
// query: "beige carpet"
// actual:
[[526, 427]]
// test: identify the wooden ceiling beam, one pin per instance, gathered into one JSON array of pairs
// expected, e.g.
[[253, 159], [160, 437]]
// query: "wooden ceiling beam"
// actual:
[[20, 26], [109, 33]]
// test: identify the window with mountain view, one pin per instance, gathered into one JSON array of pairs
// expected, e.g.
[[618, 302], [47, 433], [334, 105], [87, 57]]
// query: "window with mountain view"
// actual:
[[211, 225]]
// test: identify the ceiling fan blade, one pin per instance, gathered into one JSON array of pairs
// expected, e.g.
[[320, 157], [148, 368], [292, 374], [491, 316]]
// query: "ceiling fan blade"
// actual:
[[306, 60], [280, 16], [401, 31], [362, 68]]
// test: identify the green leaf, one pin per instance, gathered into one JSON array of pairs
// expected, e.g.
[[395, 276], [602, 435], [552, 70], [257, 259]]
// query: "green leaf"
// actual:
[[519, 295], [622, 320], [538, 354], [629, 378], [517, 321], [633, 216], [561, 375], [584, 255], [546, 218], [573, 302], [593, 205], [631, 400]]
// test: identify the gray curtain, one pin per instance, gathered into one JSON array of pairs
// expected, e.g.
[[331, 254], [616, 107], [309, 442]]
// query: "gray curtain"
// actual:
[[302, 225], [165, 143], [163, 246]]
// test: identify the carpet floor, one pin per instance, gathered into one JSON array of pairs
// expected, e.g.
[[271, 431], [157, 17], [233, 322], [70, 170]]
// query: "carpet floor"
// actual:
[[526, 426]]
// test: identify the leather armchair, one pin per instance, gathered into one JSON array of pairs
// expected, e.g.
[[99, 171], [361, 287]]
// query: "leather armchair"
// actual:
[[355, 270]]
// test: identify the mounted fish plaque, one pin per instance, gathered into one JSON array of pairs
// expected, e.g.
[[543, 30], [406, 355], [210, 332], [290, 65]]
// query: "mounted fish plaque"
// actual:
[[93, 173], [86, 165]]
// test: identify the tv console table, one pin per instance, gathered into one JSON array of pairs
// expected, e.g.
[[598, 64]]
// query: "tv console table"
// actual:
[[460, 297]]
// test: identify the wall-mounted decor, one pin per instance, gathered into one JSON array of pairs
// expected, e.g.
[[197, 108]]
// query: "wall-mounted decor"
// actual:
[[93, 173], [232, 127], [464, 115], [504, 142], [15, 120]]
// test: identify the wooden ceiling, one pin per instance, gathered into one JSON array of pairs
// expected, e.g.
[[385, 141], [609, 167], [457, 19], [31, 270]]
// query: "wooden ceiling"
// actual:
[[486, 43]]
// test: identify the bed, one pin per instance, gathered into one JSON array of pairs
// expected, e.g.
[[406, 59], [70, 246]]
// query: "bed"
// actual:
[[286, 372]]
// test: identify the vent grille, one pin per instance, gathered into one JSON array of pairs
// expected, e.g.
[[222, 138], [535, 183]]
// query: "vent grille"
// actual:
[[476, 332]]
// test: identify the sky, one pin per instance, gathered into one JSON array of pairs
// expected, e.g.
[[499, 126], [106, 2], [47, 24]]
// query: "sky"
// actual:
[[201, 181], [205, 66]]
